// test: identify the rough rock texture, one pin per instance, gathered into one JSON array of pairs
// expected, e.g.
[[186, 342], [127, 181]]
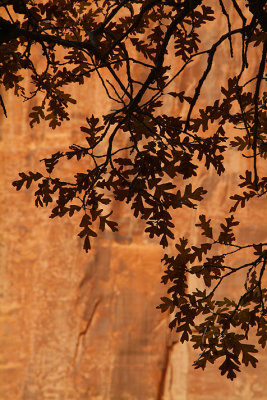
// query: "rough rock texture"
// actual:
[[78, 326]]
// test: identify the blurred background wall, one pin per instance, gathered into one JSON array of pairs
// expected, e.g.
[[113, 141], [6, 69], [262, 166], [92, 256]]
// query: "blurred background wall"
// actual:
[[78, 326]]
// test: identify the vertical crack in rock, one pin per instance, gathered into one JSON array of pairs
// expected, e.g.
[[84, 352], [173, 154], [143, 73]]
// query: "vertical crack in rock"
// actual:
[[171, 380], [83, 333], [162, 381]]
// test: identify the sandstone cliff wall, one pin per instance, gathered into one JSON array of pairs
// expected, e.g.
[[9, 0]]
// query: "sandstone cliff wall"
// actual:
[[78, 326]]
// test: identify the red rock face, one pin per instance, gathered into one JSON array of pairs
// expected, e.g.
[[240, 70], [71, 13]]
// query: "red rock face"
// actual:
[[78, 326]]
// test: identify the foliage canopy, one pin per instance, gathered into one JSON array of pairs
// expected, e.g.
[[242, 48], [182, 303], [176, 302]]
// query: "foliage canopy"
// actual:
[[149, 159]]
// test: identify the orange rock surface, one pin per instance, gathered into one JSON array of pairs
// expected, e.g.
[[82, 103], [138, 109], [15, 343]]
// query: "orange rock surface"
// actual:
[[78, 326]]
